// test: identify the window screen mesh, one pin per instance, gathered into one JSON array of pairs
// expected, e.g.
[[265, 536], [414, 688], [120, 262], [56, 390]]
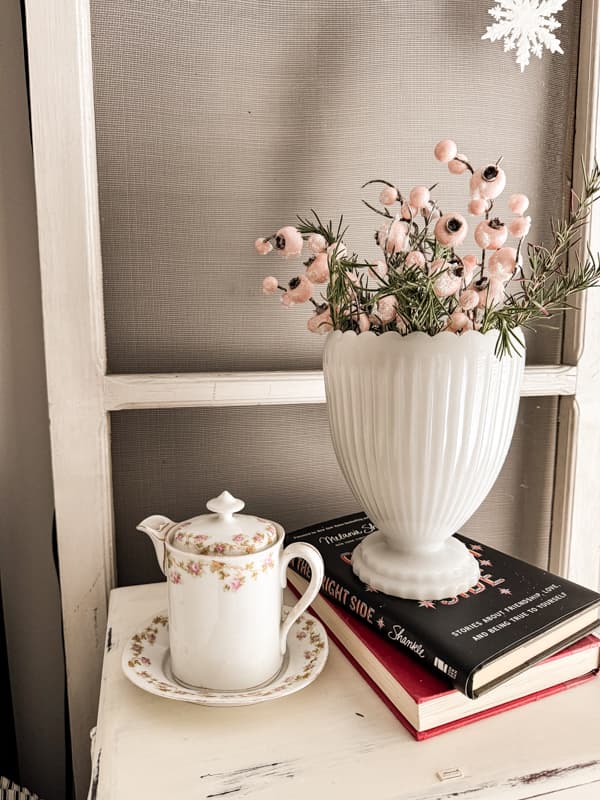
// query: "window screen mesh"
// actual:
[[218, 120], [280, 460]]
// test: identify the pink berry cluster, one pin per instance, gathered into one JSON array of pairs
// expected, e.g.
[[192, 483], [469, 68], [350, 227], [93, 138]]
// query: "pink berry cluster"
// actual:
[[424, 279]]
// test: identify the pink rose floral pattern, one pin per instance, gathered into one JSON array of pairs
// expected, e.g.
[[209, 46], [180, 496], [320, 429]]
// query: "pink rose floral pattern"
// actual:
[[240, 543], [233, 577], [138, 645], [139, 640], [140, 652], [315, 645]]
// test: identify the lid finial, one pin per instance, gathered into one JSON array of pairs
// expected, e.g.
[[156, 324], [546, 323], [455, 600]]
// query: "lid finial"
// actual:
[[225, 505]]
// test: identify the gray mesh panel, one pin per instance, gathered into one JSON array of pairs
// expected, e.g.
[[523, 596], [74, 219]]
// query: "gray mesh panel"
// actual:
[[280, 460], [217, 121]]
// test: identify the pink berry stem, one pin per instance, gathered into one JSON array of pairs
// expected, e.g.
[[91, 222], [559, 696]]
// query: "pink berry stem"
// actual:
[[518, 252], [466, 163], [386, 183], [384, 213], [487, 216]]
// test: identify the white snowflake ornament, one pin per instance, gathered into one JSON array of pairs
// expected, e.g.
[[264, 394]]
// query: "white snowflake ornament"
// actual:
[[527, 26]]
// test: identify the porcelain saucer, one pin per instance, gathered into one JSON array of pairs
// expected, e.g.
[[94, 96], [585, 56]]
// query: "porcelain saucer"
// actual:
[[146, 663]]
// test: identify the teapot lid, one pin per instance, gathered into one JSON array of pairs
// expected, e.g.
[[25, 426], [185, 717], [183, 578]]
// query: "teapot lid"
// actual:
[[224, 532]]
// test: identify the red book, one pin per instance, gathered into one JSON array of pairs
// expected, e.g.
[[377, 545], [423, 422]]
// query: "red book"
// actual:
[[423, 702]]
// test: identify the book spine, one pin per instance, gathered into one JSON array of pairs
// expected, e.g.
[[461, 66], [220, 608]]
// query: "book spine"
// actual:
[[359, 605]]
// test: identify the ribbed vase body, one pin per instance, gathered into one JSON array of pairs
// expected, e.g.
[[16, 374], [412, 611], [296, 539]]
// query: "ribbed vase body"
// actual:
[[421, 427]]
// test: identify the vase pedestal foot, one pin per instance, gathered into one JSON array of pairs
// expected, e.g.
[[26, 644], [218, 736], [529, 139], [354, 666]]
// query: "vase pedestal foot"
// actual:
[[433, 575]]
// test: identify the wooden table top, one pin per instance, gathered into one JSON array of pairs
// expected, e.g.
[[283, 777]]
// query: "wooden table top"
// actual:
[[335, 739]]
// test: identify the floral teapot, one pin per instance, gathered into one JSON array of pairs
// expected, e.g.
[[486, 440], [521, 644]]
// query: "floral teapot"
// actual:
[[226, 573]]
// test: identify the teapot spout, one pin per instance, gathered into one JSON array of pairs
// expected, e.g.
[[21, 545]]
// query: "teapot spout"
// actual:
[[157, 528]]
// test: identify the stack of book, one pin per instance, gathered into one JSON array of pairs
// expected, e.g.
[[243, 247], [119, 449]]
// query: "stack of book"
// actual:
[[519, 635]]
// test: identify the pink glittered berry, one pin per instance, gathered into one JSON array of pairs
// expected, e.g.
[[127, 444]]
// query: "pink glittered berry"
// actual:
[[502, 264], [263, 246], [458, 321], [299, 290], [478, 207], [518, 203], [519, 227], [318, 269], [447, 284], [317, 243], [415, 259], [387, 308], [488, 182], [457, 166], [393, 238], [388, 195], [445, 150], [490, 234], [270, 285], [469, 299], [419, 197], [490, 290], [320, 322], [432, 212], [289, 241], [451, 229]]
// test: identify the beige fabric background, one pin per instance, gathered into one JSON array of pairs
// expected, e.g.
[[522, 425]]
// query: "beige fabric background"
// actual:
[[216, 122]]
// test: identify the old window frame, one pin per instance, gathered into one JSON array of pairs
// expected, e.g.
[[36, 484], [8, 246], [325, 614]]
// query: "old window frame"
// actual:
[[82, 394]]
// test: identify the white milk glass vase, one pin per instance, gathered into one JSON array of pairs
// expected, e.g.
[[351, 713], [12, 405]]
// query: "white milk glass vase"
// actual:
[[421, 426]]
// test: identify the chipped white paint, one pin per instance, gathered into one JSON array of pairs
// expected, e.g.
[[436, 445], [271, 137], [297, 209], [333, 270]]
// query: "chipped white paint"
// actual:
[[69, 245], [194, 390], [335, 739], [212, 389]]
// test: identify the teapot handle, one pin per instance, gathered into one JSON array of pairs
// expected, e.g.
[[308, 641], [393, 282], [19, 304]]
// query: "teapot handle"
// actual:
[[308, 553]]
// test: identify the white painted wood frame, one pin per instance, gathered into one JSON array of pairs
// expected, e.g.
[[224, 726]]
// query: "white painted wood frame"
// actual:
[[81, 395], [575, 535], [70, 259]]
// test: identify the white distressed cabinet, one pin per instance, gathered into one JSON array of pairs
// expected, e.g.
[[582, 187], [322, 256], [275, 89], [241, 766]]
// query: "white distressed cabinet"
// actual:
[[335, 739]]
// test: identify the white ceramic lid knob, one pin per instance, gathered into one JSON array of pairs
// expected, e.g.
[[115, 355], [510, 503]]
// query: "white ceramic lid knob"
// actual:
[[223, 532], [225, 505]]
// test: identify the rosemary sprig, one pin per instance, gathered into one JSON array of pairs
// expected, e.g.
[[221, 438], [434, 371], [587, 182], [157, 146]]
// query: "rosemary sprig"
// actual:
[[356, 288], [548, 281], [306, 226]]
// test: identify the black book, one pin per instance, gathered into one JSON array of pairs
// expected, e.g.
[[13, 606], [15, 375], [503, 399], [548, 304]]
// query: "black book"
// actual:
[[515, 616]]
